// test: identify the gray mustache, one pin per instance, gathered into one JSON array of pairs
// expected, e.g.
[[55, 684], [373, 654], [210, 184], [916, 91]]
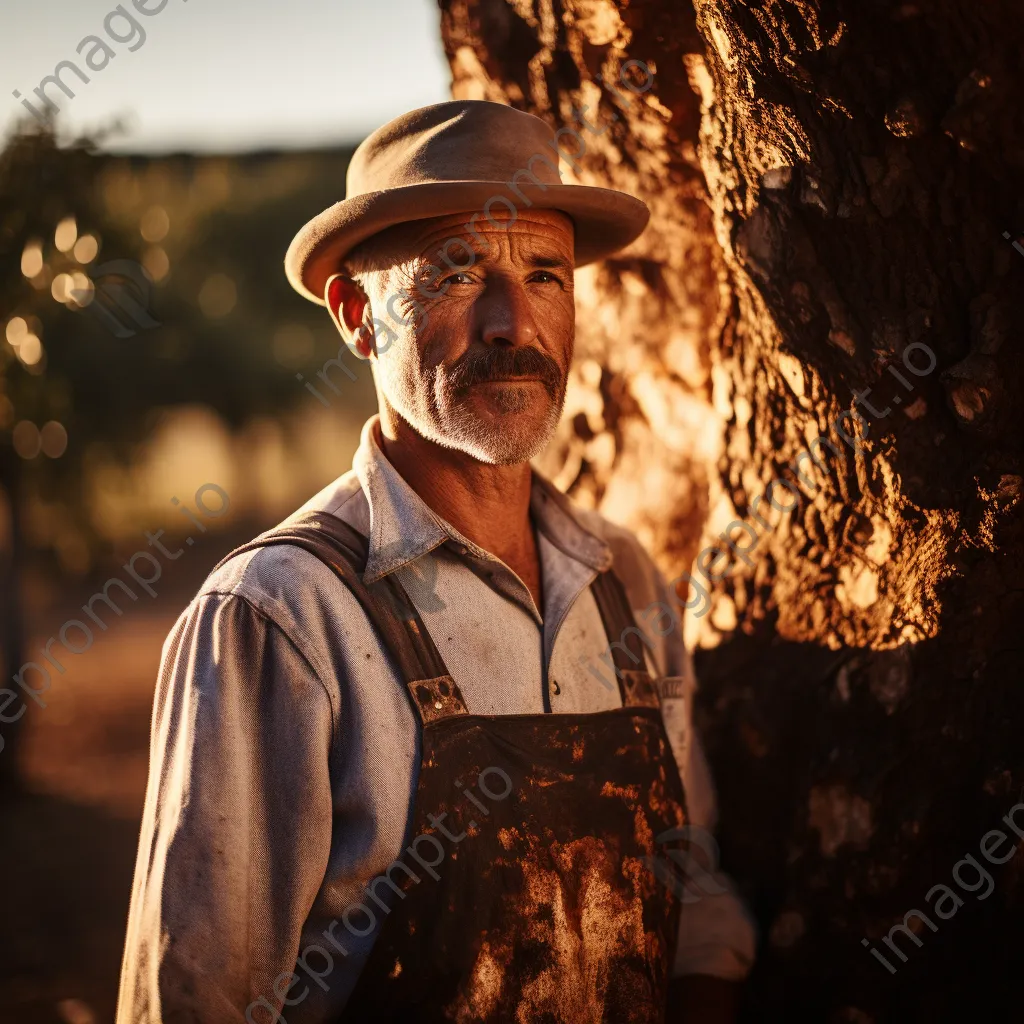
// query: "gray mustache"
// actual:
[[502, 363]]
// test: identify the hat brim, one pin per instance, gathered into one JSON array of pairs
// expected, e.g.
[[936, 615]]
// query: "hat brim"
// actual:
[[605, 221]]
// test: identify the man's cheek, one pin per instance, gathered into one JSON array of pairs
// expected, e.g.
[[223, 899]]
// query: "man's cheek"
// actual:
[[450, 331], [556, 323], [384, 336], [406, 311]]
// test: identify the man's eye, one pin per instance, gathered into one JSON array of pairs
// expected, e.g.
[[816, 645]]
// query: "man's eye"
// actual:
[[458, 279], [543, 277]]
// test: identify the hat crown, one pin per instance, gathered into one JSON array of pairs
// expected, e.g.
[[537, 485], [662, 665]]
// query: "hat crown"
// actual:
[[459, 140]]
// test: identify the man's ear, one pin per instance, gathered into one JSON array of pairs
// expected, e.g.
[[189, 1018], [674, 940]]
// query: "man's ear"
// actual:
[[347, 302]]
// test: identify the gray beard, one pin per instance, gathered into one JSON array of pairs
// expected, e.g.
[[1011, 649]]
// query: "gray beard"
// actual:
[[500, 444], [436, 413]]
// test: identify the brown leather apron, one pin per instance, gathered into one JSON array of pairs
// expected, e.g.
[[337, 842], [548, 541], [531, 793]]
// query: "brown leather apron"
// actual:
[[527, 896]]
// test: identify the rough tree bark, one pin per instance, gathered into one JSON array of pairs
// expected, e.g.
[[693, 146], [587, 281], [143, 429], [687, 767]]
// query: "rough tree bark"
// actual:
[[830, 185]]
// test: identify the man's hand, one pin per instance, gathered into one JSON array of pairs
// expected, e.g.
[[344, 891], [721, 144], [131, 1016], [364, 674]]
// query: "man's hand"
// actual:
[[701, 999]]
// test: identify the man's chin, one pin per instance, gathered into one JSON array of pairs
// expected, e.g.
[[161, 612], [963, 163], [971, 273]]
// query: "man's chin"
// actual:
[[503, 438], [496, 399]]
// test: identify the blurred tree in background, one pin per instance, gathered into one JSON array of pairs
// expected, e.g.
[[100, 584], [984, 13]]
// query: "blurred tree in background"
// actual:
[[130, 286], [46, 386]]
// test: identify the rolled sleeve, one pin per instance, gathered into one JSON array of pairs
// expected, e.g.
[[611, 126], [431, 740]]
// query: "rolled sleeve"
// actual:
[[716, 931], [236, 832]]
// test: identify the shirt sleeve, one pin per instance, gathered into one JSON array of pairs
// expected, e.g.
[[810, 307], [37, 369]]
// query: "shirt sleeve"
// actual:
[[716, 933], [236, 830]]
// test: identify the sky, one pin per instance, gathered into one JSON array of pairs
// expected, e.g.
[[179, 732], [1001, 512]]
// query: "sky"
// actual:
[[226, 75]]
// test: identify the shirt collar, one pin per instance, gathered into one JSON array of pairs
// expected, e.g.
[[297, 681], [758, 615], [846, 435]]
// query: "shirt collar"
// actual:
[[403, 527]]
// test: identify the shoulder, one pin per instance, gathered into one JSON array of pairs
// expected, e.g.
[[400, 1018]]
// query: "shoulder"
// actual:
[[287, 586], [630, 560]]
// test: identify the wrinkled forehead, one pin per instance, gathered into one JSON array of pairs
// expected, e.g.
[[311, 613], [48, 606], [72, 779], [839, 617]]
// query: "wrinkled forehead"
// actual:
[[506, 234]]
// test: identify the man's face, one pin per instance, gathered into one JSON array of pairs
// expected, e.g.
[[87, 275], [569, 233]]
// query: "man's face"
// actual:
[[480, 365]]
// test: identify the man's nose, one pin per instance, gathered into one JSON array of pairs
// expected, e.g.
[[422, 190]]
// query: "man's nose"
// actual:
[[505, 316]]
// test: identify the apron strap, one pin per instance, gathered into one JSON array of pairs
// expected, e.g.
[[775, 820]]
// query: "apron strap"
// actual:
[[385, 602], [636, 687]]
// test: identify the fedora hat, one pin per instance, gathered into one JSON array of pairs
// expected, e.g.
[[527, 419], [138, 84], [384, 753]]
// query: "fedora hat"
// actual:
[[462, 156]]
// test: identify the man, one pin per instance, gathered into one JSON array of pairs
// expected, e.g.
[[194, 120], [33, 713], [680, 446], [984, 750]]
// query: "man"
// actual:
[[396, 774]]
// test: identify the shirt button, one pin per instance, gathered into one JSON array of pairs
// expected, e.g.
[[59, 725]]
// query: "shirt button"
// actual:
[[555, 688]]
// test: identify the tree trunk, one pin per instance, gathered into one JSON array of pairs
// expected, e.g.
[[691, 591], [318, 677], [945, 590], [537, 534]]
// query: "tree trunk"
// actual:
[[833, 200]]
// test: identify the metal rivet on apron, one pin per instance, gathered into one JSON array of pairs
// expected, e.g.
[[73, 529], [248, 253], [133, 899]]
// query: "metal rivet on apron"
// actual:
[[438, 705], [555, 688]]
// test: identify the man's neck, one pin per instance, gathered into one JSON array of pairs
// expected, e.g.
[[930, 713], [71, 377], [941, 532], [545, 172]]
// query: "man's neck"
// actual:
[[489, 505]]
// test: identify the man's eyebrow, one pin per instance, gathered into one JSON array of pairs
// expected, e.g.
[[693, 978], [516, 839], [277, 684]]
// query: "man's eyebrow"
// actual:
[[541, 262]]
